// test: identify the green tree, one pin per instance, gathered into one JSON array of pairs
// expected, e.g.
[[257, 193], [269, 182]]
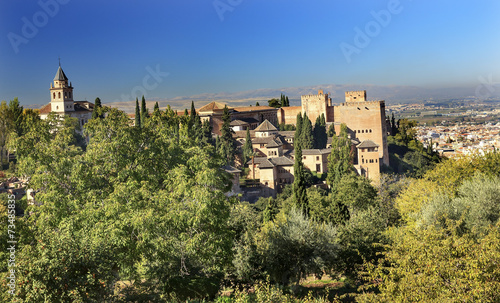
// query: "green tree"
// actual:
[[257, 103], [340, 158], [144, 111], [247, 148], [320, 135], [297, 138], [331, 130], [137, 114], [96, 113], [227, 141], [293, 246], [157, 107], [307, 138], [287, 102], [274, 103], [299, 182]]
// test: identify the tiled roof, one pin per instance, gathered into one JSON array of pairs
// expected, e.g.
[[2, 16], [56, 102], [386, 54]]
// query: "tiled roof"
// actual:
[[314, 151], [212, 106], [367, 144], [230, 169], [238, 122], [252, 108], [274, 143], [266, 164], [45, 109], [266, 126], [60, 76], [282, 161]]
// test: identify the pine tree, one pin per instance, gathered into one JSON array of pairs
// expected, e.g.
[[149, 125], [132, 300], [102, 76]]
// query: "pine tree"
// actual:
[[299, 183], [137, 114], [307, 139], [144, 111], [247, 148], [340, 158], [297, 136], [96, 113]]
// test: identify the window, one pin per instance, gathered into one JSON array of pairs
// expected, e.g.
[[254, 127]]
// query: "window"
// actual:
[[54, 95], [317, 158], [262, 145], [318, 168], [304, 157], [363, 161], [363, 131], [57, 107], [370, 130], [59, 95]]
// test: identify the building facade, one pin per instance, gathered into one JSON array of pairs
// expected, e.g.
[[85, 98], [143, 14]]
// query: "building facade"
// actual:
[[62, 103]]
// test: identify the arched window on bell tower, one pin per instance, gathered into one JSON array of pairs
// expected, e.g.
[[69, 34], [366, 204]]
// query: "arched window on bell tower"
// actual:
[[59, 95]]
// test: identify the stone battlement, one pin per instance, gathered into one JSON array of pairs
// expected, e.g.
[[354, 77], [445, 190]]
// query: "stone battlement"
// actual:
[[362, 103], [355, 96]]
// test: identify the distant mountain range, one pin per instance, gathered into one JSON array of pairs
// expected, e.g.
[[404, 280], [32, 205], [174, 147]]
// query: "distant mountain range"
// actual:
[[392, 94]]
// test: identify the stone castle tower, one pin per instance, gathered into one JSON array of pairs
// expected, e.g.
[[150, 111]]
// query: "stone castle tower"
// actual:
[[61, 93]]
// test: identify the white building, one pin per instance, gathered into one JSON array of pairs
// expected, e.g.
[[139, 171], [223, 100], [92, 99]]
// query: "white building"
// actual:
[[61, 100]]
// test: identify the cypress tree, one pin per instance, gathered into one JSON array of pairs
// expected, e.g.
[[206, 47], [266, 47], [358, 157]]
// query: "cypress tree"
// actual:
[[144, 111], [257, 103], [331, 131], [287, 102], [271, 210], [137, 113], [207, 132], [227, 140], [193, 111], [307, 139], [320, 136], [247, 148], [340, 158], [96, 113], [297, 136], [299, 183], [157, 107], [394, 128]]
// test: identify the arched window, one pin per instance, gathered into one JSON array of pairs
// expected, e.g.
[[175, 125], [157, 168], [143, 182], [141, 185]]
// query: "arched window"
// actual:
[[54, 95], [59, 95], [57, 107]]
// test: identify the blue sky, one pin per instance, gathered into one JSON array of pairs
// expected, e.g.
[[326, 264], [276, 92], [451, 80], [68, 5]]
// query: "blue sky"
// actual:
[[108, 48]]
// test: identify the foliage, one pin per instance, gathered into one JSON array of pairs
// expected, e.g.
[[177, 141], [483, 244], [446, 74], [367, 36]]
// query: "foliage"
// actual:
[[156, 206], [96, 112], [144, 111], [306, 135], [340, 158], [477, 203], [320, 135], [438, 265], [293, 246], [299, 186], [297, 138], [137, 114], [247, 148], [227, 142]]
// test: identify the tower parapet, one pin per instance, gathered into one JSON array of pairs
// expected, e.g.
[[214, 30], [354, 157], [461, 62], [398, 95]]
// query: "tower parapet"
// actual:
[[355, 96]]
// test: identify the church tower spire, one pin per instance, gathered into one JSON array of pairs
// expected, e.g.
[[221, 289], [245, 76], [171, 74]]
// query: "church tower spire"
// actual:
[[61, 93]]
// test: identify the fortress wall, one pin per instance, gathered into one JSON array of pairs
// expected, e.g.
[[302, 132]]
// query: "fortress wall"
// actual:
[[366, 121], [288, 115]]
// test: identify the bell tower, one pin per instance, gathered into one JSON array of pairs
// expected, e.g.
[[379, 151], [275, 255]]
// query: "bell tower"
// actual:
[[61, 93]]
